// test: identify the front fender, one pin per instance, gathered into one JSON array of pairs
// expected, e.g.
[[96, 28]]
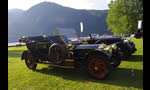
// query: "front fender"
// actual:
[[24, 54], [102, 53], [108, 54]]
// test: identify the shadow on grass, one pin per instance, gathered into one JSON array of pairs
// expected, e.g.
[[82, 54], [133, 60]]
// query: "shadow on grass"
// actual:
[[15, 53], [135, 58], [120, 76]]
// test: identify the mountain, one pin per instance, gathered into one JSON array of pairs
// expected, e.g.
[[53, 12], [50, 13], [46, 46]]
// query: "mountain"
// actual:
[[13, 14], [45, 17]]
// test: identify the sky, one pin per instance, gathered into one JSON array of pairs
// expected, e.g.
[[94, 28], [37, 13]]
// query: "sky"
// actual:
[[77, 4]]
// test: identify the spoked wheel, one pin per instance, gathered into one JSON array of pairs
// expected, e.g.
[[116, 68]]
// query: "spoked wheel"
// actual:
[[30, 62], [98, 67]]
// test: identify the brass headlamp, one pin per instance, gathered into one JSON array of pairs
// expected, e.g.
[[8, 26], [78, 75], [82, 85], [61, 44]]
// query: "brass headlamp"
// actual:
[[111, 47]]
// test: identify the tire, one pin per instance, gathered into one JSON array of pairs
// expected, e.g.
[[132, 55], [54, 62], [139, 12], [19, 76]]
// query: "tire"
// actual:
[[98, 67], [29, 61]]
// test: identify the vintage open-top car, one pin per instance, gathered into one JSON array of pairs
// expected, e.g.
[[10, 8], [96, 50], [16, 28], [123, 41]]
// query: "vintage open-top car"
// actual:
[[59, 51]]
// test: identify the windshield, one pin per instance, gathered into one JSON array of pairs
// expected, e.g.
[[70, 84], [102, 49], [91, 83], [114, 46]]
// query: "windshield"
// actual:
[[57, 39], [68, 32]]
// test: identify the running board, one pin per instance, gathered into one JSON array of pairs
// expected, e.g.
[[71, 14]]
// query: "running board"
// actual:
[[61, 66]]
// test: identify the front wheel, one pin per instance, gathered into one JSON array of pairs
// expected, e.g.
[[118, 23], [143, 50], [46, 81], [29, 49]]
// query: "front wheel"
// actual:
[[30, 62], [98, 67]]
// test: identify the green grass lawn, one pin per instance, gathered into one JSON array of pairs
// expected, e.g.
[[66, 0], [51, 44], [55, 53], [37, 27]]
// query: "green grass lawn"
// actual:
[[47, 78]]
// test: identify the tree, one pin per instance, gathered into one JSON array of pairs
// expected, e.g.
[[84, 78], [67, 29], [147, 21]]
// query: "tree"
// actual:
[[123, 16]]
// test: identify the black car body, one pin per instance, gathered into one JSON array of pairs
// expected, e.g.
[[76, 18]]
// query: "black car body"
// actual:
[[125, 46], [107, 39], [57, 50]]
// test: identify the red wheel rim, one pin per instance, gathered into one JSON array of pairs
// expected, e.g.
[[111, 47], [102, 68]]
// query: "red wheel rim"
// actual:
[[97, 68]]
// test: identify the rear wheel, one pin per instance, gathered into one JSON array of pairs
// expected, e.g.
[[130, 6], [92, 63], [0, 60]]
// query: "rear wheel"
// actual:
[[98, 67], [30, 62]]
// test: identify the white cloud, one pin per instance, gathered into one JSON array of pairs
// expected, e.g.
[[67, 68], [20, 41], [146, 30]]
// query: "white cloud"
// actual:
[[99, 4], [78, 4], [82, 4], [22, 4]]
